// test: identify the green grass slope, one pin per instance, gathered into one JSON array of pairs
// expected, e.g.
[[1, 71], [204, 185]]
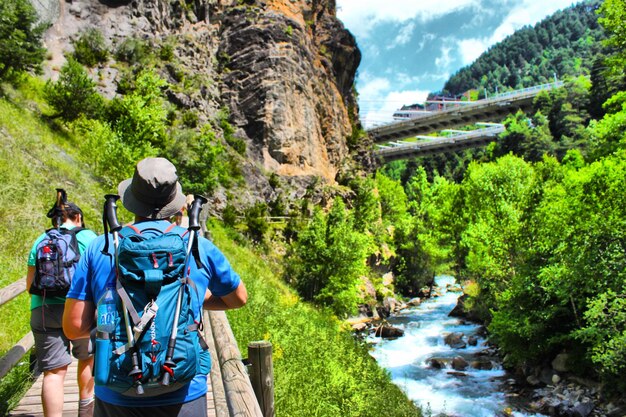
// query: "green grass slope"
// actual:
[[34, 161], [319, 369]]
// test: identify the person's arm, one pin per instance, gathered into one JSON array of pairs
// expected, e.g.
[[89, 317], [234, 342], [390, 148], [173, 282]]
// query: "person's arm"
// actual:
[[30, 275], [78, 318], [234, 299]]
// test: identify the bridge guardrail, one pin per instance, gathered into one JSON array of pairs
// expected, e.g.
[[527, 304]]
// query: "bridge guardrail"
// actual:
[[529, 91], [399, 149]]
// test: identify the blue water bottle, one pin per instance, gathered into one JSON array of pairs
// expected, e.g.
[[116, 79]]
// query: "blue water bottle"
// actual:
[[105, 328]]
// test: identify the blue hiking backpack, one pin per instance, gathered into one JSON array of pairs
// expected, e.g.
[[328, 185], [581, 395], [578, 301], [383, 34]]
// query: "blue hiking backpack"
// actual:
[[56, 259], [151, 300]]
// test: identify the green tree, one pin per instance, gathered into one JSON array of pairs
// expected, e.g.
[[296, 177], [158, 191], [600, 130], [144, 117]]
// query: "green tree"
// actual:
[[327, 260], [497, 195], [366, 206], [199, 158], [613, 19], [140, 117], [20, 39], [393, 200], [74, 94], [525, 137]]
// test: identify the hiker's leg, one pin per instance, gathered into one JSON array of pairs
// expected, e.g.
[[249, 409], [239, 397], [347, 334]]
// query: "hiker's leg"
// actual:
[[52, 392], [53, 356], [81, 350], [85, 387], [85, 378]]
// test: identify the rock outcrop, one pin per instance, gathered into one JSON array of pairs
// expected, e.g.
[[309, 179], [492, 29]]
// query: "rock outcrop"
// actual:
[[288, 69], [284, 69]]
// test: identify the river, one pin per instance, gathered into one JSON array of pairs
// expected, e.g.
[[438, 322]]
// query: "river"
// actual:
[[468, 393]]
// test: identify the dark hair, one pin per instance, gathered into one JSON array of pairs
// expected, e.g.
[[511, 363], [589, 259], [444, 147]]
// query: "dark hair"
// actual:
[[66, 211]]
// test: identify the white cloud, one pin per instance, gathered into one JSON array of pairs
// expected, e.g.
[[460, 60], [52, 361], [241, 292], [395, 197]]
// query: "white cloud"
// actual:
[[444, 60], [470, 49], [379, 98], [381, 111], [404, 35], [360, 16], [426, 38]]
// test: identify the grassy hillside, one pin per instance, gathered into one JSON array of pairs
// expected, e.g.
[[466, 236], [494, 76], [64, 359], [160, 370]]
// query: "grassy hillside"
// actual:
[[35, 158], [319, 368]]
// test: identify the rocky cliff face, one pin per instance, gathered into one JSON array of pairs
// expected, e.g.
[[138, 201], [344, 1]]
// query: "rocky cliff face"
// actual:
[[284, 68], [288, 68]]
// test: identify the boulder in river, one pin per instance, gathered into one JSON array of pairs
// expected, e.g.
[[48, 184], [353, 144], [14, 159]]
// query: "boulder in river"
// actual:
[[455, 340], [388, 332], [459, 363]]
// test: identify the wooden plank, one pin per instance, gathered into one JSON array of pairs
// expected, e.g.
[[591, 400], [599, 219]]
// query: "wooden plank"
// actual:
[[16, 353], [13, 290], [239, 392], [218, 394]]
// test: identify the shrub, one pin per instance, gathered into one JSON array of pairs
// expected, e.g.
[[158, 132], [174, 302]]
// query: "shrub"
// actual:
[[256, 221], [132, 51], [90, 48]]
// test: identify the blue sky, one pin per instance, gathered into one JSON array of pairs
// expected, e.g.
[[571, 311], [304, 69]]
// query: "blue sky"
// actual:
[[411, 47]]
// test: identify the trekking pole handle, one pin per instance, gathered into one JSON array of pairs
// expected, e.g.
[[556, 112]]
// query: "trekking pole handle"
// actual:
[[194, 212], [110, 212]]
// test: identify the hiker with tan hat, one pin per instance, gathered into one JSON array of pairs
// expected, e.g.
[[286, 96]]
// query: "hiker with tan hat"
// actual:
[[155, 279]]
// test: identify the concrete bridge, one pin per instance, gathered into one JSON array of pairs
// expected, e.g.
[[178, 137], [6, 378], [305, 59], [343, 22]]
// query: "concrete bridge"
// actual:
[[490, 109], [429, 145]]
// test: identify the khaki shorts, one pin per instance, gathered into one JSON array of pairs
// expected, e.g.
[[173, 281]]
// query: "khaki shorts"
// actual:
[[51, 346]]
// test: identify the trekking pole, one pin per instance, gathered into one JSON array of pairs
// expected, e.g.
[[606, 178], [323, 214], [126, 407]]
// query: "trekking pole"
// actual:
[[61, 200], [110, 213], [194, 226]]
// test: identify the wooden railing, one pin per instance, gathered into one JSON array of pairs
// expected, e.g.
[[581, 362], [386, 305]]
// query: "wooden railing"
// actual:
[[17, 352], [233, 392]]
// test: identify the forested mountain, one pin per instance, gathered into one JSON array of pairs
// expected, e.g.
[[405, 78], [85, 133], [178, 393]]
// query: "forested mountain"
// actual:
[[564, 44]]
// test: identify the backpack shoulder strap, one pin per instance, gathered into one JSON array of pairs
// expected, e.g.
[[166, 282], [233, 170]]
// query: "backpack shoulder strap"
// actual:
[[129, 230], [76, 230]]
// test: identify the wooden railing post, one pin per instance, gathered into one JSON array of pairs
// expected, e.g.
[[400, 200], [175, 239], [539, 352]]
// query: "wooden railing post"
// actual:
[[262, 375]]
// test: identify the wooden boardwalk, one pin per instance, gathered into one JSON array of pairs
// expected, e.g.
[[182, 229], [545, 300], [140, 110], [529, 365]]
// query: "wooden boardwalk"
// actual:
[[30, 405]]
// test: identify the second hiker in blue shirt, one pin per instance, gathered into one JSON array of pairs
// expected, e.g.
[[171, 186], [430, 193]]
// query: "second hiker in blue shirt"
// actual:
[[153, 195]]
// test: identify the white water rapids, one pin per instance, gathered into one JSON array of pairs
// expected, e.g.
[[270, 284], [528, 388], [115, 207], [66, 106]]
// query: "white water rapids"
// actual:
[[477, 394]]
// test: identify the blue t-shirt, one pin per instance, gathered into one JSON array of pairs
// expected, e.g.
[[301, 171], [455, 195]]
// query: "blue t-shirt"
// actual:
[[95, 270]]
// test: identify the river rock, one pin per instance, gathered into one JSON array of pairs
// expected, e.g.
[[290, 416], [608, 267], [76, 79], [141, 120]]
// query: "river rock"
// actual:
[[559, 363], [414, 302], [438, 363], [455, 340], [482, 364], [388, 332], [582, 409], [359, 327], [459, 363]]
